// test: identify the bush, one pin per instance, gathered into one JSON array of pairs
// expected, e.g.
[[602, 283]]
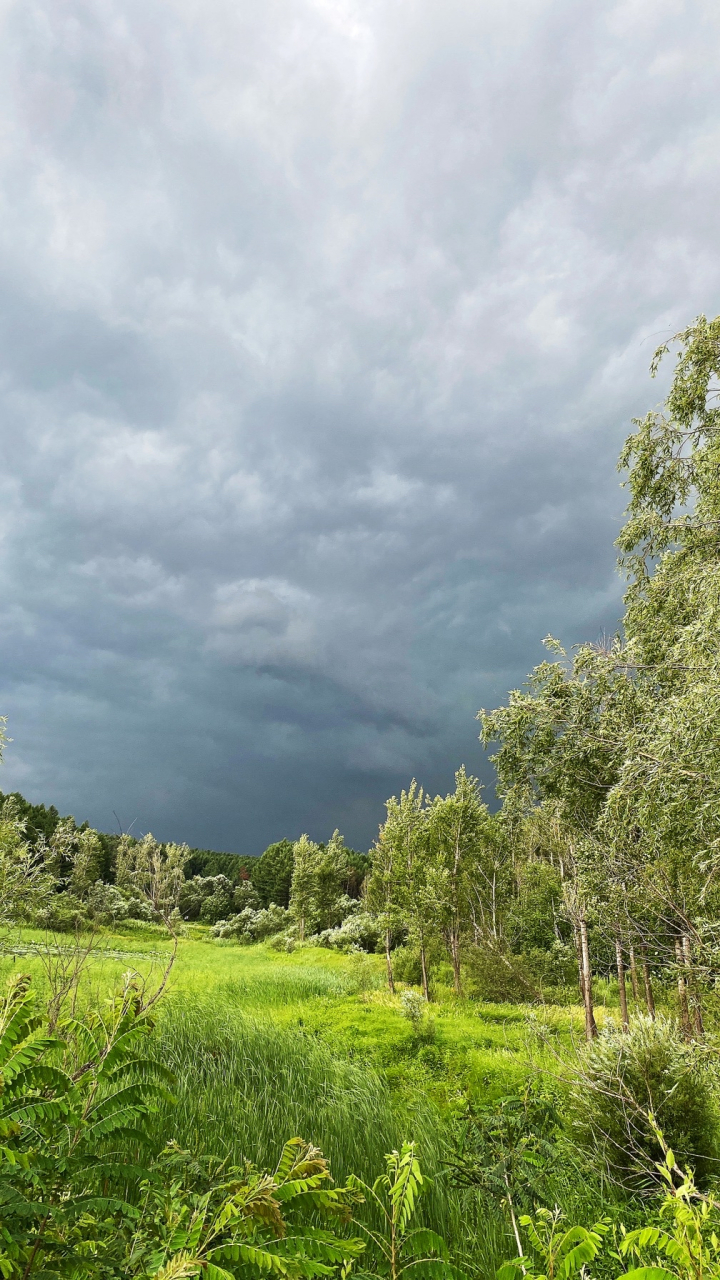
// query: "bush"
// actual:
[[497, 976], [64, 913], [253, 926], [406, 965], [106, 904], [207, 898], [358, 932], [623, 1081], [246, 895]]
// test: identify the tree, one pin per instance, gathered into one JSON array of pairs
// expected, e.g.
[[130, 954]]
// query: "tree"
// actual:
[[26, 886], [561, 742], [667, 795], [385, 894], [330, 874], [420, 882], [458, 826], [306, 855], [154, 870], [271, 873], [87, 861]]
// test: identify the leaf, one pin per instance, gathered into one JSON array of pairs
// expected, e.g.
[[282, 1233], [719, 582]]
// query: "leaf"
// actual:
[[509, 1271], [648, 1273], [436, 1268], [425, 1241]]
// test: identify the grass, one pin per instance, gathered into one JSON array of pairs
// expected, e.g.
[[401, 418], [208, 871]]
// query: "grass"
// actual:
[[266, 1045]]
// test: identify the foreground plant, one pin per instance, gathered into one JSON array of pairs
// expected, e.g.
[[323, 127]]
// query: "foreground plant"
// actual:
[[85, 1193], [244, 1222], [400, 1249], [688, 1249]]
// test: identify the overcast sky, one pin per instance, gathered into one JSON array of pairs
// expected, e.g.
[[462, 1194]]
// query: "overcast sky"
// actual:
[[322, 324]]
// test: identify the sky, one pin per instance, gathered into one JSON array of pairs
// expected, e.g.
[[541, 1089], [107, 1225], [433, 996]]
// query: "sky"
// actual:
[[322, 324]]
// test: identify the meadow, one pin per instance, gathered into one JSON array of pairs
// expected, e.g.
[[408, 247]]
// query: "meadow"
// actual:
[[266, 1044]]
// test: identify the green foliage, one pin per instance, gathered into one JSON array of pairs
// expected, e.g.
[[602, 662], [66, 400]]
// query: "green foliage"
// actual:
[[251, 924], [271, 874], [213, 898], [460, 829], [26, 887], [535, 916], [358, 931], [399, 1248], [317, 900], [208, 862], [39, 822], [690, 1249], [562, 1251], [626, 1085], [73, 1114], [246, 1219], [507, 1150], [154, 870]]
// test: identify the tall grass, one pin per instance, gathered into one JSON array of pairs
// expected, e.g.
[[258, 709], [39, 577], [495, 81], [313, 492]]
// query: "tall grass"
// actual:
[[245, 1085]]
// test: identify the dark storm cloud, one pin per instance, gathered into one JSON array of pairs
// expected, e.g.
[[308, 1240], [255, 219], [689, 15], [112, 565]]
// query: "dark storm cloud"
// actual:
[[322, 323]]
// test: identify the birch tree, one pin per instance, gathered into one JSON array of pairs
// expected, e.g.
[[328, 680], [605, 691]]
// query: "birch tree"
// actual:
[[458, 825]]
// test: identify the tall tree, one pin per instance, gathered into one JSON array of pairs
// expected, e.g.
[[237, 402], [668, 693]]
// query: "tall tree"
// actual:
[[303, 888], [668, 791], [154, 870], [419, 880], [459, 827], [271, 873], [560, 745], [385, 890]]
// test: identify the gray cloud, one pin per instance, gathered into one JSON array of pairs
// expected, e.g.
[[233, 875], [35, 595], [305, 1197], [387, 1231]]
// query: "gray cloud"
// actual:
[[322, 322]]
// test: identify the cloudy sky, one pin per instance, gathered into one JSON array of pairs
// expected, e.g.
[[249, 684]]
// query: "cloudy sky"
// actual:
[[322, 324]]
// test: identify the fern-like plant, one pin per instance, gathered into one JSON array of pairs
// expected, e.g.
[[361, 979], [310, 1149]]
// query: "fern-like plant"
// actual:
[[73, 1107], [399, 1248], [563, 1252], [244, 1223]]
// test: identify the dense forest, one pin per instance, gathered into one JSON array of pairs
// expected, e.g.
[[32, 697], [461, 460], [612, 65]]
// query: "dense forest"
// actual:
[[594, 884]]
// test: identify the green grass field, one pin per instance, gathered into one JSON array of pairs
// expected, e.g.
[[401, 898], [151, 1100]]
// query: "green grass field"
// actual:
[[266, 1045]]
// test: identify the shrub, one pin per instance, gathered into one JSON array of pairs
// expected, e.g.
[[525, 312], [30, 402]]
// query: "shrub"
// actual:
[[253, 926], [246, 895], [629, 1084], [358, 932], [412, 1007], [494, 974], [106, 904], [140, 909], [406, 964], [207, 898], [63, 913]]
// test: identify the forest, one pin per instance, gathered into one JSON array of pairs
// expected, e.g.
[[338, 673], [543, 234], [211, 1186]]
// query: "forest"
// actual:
[[488, 1046]]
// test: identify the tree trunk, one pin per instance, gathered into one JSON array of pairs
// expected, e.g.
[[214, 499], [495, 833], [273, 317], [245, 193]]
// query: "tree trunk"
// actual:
[[423, 966], [455, 957], [649, 999], [634, 976], [622, 989], [578, 952], [388, 959], [494, 905], [694, 994], [682, 990], [513, 1219], [590, 1024]]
